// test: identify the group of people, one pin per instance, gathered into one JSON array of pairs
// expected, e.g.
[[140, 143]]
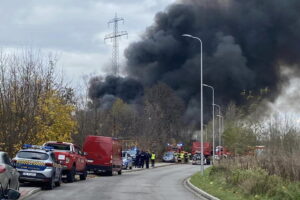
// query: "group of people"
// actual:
[[143, 159], [182, 157]]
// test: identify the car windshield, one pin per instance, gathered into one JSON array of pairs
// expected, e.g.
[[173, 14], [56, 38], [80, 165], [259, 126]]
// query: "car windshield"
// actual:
[[33, 155], [63, 147], [132, 152], [168, 154]]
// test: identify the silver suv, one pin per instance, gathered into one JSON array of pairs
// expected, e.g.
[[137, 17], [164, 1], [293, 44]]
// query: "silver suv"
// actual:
[[38, 164], [8, 175]]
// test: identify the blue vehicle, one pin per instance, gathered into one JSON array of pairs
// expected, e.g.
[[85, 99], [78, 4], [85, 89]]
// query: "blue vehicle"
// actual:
[[169, 157], [127, 160]]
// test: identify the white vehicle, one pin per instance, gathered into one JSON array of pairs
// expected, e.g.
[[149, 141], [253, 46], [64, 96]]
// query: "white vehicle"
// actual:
[[9, 176]]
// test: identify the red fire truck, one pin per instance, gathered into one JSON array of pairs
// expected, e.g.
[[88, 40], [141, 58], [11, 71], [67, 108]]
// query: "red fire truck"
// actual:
[[104, 154], [207, 150]]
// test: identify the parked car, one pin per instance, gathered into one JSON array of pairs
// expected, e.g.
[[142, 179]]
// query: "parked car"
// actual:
[[9, 176], [169, 157], [133, 152], [72, 159], [38, 164], [127, 160], [196, 159], [104, 154]]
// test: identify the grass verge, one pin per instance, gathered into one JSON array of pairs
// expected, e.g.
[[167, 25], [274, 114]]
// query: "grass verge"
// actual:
[[250, 184]]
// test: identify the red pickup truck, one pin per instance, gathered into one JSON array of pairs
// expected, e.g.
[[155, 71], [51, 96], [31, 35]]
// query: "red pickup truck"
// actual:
[[71, 157], [104, 154]]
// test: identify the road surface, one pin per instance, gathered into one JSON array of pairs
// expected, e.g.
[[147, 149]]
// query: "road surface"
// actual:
[[162, 183]]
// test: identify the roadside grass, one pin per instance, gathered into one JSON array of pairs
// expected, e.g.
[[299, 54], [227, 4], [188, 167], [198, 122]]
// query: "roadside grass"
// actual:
[[252, 184]]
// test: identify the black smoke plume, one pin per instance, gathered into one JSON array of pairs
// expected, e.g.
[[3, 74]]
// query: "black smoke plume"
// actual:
[[245, 44], [111, 87]]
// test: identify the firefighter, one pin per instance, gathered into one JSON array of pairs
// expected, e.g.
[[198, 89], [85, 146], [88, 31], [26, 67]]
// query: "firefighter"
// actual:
[[186, 157], [182, 156], [153, 156], [178, 158]]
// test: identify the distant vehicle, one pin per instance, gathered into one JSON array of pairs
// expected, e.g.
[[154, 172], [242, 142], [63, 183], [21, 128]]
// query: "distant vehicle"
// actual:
[[9, 176], [196, 159], [207, 150], [71, 157], [127, 160], [133, 152], [104, 154], [169, 157], [38, 164]]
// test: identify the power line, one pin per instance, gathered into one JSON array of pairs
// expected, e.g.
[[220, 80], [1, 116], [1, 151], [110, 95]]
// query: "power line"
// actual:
[[114, 37]]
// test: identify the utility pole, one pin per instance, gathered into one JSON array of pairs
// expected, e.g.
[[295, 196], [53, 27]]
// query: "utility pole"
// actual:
[[114, 37]]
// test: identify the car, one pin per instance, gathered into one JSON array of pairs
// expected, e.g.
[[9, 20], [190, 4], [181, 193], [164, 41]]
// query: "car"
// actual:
[[127, 160], [9, 176], [133, 152], [196, 159], [169, 157], [38, 164], [71, 157]]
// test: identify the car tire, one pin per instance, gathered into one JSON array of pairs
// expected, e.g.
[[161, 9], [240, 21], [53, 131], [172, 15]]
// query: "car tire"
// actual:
[[130, 167], [71, 175], [51, 184], [120, 172], [109, 173], [58, 183], [83, 175]]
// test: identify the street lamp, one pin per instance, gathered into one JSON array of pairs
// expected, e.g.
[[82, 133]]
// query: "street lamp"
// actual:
[[219, 107], [201, 99], [213, 116], [220, 129]]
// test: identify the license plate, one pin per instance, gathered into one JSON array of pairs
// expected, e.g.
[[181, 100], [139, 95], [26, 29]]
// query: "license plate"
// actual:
[[29, 174]]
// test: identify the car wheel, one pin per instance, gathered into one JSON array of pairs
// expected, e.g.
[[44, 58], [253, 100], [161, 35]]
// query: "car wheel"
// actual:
[[130, 167], [109, 173], [58, 183], [84, 175], [120, 172], [71, 175], [51, 184]]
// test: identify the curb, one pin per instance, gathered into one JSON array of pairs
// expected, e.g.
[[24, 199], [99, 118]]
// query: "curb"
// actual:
[[30, 193], [141, 169], [198, 191]]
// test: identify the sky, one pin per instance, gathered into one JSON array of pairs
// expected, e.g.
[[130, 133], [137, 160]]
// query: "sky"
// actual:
[[74, 30]]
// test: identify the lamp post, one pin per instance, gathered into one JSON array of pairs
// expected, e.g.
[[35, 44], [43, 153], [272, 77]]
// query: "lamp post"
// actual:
[[213, 116], [220, 129], [201, 99], [219, 107]]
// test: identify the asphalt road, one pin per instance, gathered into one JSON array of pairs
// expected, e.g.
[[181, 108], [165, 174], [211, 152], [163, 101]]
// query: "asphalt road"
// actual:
[[163, 183]]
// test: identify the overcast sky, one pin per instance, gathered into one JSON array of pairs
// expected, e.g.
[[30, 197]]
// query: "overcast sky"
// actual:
[[74, 29]]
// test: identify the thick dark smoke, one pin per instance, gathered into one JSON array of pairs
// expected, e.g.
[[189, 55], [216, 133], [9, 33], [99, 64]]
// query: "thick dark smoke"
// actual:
[[245, 43], [127, 89]]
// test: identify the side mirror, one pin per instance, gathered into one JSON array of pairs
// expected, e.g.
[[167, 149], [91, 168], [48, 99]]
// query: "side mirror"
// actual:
[[85, 153], [13, 194]]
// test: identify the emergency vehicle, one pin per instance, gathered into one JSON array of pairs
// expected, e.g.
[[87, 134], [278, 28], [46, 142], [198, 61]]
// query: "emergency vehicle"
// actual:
[[38, 164], [104, 154], [72, 159]]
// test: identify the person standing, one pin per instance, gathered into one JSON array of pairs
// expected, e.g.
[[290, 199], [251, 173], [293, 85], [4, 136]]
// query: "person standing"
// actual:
[[143, 155], [138, 160], [153, 156], [147, 158]]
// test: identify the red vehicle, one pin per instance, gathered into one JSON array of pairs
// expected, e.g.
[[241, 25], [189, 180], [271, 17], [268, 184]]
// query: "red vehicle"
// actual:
[[104, 154], [71, 157], [207, 150], [222, 151]]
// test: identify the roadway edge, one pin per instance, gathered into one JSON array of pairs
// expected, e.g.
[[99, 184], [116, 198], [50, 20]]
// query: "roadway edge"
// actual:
[[141, 169], [197, 190], [36, 190]]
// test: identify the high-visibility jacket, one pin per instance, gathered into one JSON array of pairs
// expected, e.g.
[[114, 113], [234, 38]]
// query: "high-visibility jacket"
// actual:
[[153, 156], [181, 155]]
